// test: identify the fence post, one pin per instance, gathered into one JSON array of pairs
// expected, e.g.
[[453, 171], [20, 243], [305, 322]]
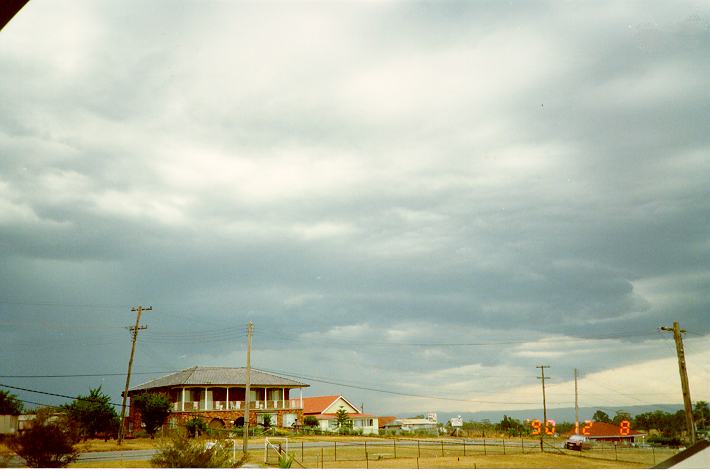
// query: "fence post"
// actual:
[[302, 457], [503, 445], [394, 444], [365, 449], [335, 451], [367, 458], [653, 452], [442, 448], [616, 456], [464, 447], [484, 447], [419, 452], [522, 446], [322, 459]]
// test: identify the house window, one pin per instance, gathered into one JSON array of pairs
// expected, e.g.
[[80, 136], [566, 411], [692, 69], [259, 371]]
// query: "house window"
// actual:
[[289, 420], [274, 394]]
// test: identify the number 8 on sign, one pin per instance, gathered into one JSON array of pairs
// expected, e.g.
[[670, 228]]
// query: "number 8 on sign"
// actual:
[[625, 427]]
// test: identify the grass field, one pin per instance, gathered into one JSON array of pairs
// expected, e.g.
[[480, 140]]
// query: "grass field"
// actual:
[[359, 452], [528, 461]]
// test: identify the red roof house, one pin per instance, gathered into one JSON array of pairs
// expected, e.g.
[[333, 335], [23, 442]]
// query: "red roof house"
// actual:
[[600, 431], [325, 410]]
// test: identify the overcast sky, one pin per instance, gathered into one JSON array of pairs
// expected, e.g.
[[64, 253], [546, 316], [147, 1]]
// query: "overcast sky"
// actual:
[[423, 198]]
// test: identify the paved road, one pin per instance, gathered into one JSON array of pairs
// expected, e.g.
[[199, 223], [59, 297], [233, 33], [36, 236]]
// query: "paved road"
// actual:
[[142, 455]]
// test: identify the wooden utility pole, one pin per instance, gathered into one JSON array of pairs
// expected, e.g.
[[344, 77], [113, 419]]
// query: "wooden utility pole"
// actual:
[[677, 331], [134, 336], [576, 405], [245, 444], [544, 403]]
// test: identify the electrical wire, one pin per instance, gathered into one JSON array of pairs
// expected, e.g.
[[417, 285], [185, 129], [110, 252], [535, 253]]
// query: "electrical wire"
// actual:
[[391, 392], [54, 394]]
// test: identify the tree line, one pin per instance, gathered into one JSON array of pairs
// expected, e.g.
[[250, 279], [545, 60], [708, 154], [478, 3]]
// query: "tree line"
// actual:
[[663, 426]]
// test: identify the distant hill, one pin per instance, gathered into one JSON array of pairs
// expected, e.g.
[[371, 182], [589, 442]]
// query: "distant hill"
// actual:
[[557, 414]]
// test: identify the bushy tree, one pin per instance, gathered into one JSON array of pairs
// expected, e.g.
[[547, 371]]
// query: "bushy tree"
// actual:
[[620, 416], [601, 417], [511, 426], [92, 414], [668, 424], [49, 443], [310, 421], [9, 404], [154, 408], [701, 414], [181, 451]]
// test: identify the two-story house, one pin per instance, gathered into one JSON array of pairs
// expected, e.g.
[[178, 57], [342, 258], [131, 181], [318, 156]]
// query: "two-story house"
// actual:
[[218, 395]]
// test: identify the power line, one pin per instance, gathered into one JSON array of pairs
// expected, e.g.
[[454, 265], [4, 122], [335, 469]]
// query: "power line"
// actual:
[[114, 374], [54, 394], [392, 392], [59, 304], [301, 338]]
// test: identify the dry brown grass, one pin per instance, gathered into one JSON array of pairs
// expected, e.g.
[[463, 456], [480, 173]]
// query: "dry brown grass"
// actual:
[[112, 464], [90, 446]]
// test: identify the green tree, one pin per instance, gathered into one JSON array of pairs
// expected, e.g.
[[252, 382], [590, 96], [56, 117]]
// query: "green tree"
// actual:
[[701, 414], [48, 443], [343, 419], [566, 427], [310, 421], [600, 416], [92, 414], [9, 404], [511, 426], [620, 416], [154, 409]]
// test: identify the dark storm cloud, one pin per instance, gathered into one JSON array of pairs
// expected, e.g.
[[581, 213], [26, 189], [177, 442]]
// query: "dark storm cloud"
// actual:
[[362, 176]]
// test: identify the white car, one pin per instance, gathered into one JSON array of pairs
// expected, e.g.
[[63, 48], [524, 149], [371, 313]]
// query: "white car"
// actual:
[[577, 442]]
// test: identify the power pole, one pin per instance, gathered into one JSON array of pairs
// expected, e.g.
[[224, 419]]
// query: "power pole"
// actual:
[[576, 405], [544, 403], [134, 336], [245, 444], [677, 331]]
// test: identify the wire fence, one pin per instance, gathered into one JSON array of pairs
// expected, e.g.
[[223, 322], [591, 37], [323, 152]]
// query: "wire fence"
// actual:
[[380, 453]]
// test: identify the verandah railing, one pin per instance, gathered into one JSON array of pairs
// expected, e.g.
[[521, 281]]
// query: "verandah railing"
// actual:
[[217, 405]]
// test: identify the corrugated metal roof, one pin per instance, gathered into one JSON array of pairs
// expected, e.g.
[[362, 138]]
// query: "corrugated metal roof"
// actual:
[[218, 376]]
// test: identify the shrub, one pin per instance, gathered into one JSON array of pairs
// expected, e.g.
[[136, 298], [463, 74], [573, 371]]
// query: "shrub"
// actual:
[[195, 427], [285, 461], [47, 444], [182, 451], [310, 421]]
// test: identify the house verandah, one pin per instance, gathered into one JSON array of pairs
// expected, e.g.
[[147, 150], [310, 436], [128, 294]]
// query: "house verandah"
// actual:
[[217, 395]]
